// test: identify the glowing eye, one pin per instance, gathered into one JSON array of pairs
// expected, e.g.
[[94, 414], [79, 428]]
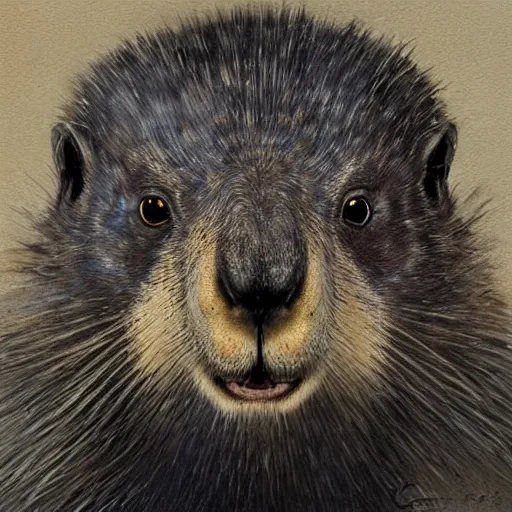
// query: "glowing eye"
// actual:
[[154, 211], [357, 211]]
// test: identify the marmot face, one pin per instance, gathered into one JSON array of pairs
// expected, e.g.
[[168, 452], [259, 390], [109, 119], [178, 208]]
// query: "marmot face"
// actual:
[[254, 291]]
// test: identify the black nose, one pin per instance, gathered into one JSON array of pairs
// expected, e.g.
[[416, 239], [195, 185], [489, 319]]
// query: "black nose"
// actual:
[[261, 270], [256, 295]]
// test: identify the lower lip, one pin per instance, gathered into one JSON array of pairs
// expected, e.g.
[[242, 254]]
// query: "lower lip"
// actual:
[[272, 392]]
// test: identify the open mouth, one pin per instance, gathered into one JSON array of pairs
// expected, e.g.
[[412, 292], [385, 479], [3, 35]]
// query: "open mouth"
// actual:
[[258, 387]]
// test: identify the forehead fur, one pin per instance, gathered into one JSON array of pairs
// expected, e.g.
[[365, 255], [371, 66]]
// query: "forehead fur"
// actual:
[[258, 77]]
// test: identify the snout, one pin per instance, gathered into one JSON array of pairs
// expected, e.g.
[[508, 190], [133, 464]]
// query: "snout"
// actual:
[[259, 295]]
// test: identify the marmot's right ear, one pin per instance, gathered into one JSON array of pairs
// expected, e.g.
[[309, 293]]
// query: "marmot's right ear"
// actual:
[[439, 158], [70, 157]]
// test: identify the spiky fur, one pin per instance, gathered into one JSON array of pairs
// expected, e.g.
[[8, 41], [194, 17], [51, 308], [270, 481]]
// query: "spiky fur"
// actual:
[[82, 429]]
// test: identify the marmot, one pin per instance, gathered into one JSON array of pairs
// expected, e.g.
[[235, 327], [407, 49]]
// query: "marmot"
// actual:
[[255, 290]]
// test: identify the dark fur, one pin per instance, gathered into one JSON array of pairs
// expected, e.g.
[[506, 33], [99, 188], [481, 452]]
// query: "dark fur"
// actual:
[[79, 430]]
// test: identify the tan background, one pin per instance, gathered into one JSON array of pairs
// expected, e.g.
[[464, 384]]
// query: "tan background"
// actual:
[[469, 44]]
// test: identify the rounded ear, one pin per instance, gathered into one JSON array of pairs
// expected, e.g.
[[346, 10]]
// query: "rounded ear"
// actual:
[[70, 156], [439, 157]]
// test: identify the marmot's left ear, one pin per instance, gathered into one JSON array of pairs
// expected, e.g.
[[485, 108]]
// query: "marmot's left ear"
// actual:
[[70, 156], [438, 158]]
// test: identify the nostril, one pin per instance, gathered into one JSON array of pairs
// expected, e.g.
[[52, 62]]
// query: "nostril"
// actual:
[[293, 293], [226, 288]]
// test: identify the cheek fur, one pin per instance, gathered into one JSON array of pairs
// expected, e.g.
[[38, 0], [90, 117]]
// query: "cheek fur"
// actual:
[[157, 325], [356, 325]]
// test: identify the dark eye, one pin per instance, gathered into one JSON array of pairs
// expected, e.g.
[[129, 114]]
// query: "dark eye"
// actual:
[[357, 211], [154, 211]]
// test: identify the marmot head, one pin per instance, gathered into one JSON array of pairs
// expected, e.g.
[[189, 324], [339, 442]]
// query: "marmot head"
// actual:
[[254, 247]]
